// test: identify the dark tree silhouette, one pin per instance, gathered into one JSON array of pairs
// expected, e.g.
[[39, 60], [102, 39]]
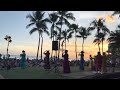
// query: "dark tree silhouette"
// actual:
[[37, 19], [64, 16], [8, 39], [83, 33]]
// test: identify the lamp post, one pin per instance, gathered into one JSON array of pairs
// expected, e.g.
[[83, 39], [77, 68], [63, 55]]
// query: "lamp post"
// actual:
[[8, 38]]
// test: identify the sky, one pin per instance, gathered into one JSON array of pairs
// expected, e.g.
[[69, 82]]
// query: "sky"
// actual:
[[13, 23]]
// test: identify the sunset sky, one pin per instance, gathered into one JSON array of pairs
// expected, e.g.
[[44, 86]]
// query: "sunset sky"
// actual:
[[14, 23]]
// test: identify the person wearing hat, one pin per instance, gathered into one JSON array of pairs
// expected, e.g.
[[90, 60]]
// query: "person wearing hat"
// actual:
[[23, 60], [46, 60], [99, 62], [82, 61], [91, 63], [66, 66]]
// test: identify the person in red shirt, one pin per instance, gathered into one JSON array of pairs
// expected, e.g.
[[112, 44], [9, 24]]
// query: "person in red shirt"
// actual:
[[99, 62], [66, 66]]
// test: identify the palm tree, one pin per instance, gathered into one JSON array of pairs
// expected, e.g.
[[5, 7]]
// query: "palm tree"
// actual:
[[66, 35], [97, 41], [74, 28], [62, 44], [116, 12], [44, 31], [100, 26], [8, 38], [83, 33], [53, 19], [114, 41], [104, 32], [63, 16], [37, 19]]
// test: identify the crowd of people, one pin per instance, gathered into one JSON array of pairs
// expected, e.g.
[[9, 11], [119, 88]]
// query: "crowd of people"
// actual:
[[97, 64], [102, 63]]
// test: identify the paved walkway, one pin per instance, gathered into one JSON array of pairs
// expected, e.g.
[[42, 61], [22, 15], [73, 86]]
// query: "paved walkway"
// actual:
[[78, 75], [1, 77]]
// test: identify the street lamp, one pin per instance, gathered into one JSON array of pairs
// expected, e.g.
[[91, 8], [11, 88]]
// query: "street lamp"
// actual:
[[8, 38]]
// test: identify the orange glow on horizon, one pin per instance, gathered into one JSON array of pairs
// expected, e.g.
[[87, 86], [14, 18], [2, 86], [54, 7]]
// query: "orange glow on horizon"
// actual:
[[31, 50], [108, 19]]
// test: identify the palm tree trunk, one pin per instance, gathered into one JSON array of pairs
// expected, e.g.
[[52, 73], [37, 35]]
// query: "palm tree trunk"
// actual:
[[65, 43], [52, 31], [38, 47], [98, 38], [52, 40], [59, 42], [7, 48], [41, 46], [75, 45], [83, 45], [102, 46], [62, 48], [51, 54], [99, 47], [52, 49], [65, 40]]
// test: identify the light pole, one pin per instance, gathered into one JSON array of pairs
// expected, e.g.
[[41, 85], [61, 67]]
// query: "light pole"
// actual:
[[8, 38]]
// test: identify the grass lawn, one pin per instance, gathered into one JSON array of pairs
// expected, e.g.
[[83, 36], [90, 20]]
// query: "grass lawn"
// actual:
[[31, 73], [40, 73]]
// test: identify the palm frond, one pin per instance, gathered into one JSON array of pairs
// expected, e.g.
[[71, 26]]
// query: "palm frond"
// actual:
[[70, 16], [31, 24], [78, 36], [94, 23], [47, 32], [116, 12], [66, 22], [33, 30]]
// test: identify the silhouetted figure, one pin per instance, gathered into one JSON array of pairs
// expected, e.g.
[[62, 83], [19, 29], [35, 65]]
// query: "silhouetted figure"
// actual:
[[99, 62], [66, 66], [82, 61], [8, 56], [113, 62], [104, 63], [8, 65], [91, 63], [23, 60], [46, 60], [4, 57], [0, 56]]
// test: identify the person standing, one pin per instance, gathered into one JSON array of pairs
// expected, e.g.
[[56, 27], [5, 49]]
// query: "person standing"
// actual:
[[46, 60], [113, 62], [91, 63], [99, 62], [3, 57], [23, 60], [66, 66], [82, 61], [95, 64], [104, 63]]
